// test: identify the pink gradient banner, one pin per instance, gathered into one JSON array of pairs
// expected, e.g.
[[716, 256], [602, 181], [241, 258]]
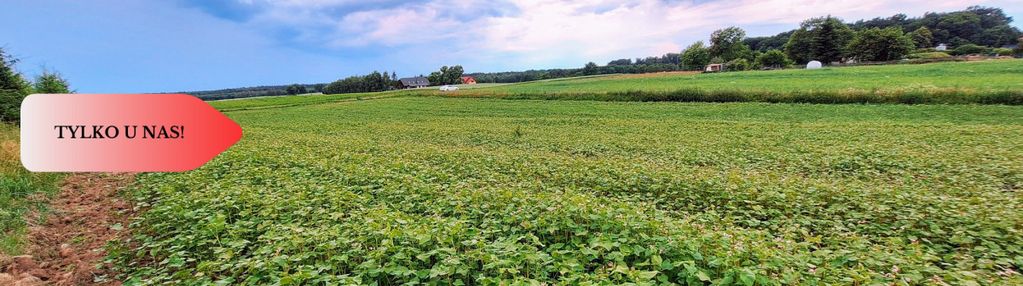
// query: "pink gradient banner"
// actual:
[[121, 132]]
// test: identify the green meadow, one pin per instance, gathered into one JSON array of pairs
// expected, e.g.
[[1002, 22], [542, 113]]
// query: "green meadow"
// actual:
[[980, 82], [994, 75]]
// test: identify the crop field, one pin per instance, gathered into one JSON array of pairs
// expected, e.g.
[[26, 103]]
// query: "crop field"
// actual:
[[409, 190]]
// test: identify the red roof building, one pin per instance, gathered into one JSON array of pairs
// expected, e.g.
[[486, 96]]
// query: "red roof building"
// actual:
[[468, 80]]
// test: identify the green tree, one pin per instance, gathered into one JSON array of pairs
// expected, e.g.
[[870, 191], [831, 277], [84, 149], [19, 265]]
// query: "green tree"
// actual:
[[963, 25], [727, 44], [51, 82], [772, 59], [446, 75], [823, 39], [997, 36], [1019, 46], [695, 57], [295, 89], [922, 37], [590, 68], [454, 75], [13, 89], [876, 44]]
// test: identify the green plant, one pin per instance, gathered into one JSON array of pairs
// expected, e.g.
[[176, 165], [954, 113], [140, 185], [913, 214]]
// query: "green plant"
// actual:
[[970, 49], [598, 192], [929, 55], [21, 191]]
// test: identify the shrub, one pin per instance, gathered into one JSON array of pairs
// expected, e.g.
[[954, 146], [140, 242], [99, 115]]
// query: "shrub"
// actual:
[[737, 65], [929, 55], [1003, 52], [971, 49], [772, 59]]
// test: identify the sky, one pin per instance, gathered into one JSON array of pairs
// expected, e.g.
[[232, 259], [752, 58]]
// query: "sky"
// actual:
[[116, 46]]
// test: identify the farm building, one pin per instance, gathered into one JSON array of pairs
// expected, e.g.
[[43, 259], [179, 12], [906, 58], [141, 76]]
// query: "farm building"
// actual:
[[414, 82], [468, 80], [714, 67]]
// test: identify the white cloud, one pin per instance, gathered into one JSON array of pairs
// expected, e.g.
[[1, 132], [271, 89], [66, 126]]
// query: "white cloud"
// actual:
[[538, 33]]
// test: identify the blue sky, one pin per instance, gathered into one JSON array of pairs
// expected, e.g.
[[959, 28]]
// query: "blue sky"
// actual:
[[114, 46]]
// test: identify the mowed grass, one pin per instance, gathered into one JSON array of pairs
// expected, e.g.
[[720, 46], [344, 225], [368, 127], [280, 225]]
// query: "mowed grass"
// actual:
[[287, 101], [979, 75], [431, 190], [20, 191], [982, 82]]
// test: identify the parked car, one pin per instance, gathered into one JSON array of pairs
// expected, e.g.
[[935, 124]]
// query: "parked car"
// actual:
[[448, 88]]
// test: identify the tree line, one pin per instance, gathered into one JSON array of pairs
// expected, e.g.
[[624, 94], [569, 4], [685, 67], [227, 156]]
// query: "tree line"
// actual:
[[14, 87], [976, 30]]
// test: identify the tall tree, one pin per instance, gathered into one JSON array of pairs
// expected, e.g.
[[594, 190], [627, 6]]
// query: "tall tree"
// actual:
[[727, 44], [695, 57], [877, 44], [763, 44], [590, 68], [823, 39], [454, 75], [51, 82], [922, 37], [13, 89]]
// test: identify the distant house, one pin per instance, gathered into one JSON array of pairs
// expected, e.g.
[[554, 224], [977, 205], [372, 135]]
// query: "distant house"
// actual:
[[468, 80], [714, 68], [941, 47], [414, 82]]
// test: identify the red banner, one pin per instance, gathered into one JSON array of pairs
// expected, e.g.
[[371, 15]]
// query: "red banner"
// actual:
[[121, 132]]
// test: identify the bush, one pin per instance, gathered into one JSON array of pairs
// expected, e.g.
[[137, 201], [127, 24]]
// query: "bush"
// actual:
[[737, 65], [971, 49], [929, 55], [772, 59], [1003, 52]]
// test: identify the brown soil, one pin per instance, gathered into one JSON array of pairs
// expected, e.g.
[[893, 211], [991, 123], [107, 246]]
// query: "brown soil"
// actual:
[[68, 249]]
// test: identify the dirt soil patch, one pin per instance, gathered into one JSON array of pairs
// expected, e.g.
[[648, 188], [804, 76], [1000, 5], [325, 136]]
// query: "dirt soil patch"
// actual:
[[68, 248]]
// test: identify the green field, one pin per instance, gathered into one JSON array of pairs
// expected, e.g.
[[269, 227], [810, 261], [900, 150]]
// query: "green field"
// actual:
[[452, 191], [997, 75], [981, 82]]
